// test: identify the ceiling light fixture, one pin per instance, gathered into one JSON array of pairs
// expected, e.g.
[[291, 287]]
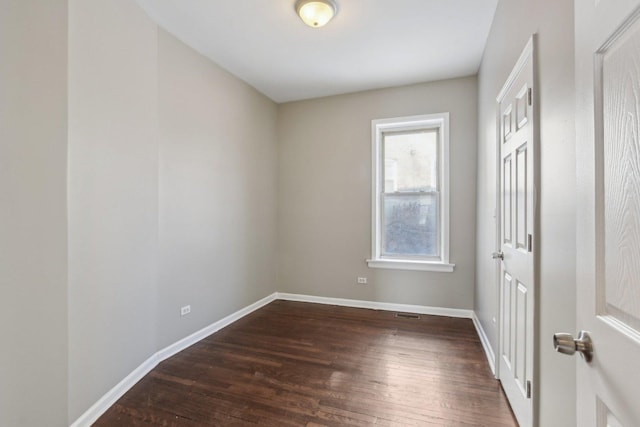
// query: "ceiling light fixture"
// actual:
[[316, 13]]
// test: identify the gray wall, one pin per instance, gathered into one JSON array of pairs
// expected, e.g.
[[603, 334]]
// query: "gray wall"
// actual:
[[217, 192], [33, 230], [171, 194], [166, 159], [324, 195], [515, 21], [113, 206]]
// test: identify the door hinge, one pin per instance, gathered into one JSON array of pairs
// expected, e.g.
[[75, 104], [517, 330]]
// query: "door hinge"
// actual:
[[528, 389], [530, 96], [529, 243]]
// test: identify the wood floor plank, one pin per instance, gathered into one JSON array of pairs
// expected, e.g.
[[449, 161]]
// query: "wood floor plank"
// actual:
[[301, 364]]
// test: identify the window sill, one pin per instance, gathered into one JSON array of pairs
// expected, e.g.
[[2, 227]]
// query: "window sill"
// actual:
[[411, 265]]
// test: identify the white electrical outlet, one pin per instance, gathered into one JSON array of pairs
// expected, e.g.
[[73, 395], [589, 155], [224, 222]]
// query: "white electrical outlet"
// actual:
[[362, 280], [185, 310]]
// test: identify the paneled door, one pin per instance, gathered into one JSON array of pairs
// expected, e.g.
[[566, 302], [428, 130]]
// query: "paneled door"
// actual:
[[608, 213], [517, 220]]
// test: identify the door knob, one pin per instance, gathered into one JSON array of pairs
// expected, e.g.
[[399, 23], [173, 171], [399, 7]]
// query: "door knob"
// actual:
[[497, 255], [566, 344]]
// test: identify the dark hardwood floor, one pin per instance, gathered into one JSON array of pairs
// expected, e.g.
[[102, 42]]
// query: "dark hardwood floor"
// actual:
[[300, 364]]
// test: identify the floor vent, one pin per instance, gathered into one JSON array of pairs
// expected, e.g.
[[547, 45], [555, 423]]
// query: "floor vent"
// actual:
[[407, 315]]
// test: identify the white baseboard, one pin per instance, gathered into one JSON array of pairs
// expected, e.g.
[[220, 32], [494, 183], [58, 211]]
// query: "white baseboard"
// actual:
[[488, 350], [177, 347], [105, 402], [406, 308], [92, 414]]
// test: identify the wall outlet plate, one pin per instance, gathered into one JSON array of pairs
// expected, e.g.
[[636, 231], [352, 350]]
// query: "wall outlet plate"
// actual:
[[185, 310], [362, 280]]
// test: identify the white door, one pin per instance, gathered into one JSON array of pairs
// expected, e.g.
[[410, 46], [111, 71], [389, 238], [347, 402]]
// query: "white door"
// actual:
[[608, 209], [517, 219]]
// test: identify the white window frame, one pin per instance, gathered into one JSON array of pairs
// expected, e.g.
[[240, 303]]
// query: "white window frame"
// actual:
[[440, 122]]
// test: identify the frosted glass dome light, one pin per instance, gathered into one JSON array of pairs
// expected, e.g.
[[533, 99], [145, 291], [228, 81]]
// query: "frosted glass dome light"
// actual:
[[316, 13]]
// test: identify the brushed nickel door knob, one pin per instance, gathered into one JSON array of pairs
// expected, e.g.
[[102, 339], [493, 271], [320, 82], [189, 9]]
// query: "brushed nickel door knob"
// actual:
[[566, 344]]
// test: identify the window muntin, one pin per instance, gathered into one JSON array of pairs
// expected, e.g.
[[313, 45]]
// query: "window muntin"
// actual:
[[410, 227]]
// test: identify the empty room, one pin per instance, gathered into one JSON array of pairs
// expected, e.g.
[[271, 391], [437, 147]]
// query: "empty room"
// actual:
[[319, 213]]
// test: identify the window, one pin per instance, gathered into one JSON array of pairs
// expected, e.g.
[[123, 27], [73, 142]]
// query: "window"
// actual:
[[411, 193]]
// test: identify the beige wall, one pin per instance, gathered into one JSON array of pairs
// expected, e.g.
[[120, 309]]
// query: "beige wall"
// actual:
[[324, 195], [515, 21], [33, 230], [217, 192]]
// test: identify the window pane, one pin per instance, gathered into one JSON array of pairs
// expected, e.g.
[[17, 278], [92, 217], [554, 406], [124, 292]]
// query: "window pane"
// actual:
[[410, 225], [411, 161]]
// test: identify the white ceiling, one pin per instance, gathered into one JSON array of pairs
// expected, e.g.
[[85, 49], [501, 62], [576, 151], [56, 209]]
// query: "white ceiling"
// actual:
[[369, 44]]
